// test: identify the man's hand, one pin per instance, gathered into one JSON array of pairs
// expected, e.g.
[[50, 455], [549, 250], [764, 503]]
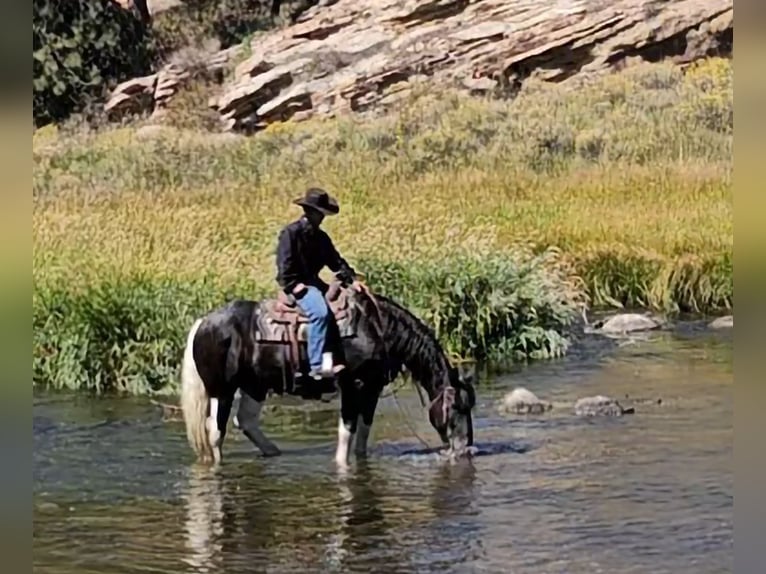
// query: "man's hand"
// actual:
[[357, 286]]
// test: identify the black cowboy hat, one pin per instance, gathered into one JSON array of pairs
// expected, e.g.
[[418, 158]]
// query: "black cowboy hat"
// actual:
[[320, 200]]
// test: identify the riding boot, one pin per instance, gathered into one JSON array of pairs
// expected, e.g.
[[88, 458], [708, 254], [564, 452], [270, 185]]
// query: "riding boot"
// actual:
[[326, 369], [327, 360]]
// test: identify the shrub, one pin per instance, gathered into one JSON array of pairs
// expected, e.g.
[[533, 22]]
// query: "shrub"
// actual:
[[126, 333], [80, 48]]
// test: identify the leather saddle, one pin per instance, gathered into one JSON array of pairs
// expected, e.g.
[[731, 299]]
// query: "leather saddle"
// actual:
[[281, 310], [283, 322]]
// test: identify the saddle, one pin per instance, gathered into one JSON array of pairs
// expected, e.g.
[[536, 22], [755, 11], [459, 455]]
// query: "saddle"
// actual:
[[281, 322], [285, 312]]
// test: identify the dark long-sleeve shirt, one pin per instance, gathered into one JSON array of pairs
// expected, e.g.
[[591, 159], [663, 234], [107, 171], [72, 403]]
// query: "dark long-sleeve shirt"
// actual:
[[302, 252]]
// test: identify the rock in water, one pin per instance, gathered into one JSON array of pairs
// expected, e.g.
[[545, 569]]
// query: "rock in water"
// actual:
[[522, 401], [600, 406], [625, 323], [726, 322]]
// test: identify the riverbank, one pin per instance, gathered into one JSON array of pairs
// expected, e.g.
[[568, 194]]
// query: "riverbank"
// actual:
[[627, 179]]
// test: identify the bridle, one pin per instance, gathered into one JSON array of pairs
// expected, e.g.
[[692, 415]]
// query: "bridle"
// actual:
[[447, 394]]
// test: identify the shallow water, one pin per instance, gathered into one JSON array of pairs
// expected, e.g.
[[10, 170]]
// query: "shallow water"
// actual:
[[115, 490]]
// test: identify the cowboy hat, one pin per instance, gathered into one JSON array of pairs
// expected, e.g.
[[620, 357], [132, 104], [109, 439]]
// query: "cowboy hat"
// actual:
[[320, 200]]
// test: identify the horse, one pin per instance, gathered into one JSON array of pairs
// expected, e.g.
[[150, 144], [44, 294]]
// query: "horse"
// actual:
[[258, 347]]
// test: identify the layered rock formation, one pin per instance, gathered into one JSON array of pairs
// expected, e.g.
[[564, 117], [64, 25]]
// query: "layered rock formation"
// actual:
[[352, 55]]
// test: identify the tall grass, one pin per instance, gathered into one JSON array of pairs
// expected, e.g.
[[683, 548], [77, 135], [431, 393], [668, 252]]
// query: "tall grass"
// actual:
[[451, 205]]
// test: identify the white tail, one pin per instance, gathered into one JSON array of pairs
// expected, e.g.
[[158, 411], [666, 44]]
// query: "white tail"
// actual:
[[194, 400]]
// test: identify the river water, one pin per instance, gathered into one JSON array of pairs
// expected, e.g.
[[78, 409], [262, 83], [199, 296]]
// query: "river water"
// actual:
[[115, 489]]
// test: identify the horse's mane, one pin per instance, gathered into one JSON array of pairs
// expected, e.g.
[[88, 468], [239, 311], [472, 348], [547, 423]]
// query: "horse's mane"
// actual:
[[409, 341]]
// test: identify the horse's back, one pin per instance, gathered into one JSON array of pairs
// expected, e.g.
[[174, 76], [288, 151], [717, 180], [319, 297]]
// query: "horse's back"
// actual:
[[235, 314], [219, 330]]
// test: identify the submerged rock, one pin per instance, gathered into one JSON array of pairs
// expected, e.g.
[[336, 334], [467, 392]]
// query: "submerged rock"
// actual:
[[600, 405], [523, 401], [47, 506], [726, 322], [643, 400]]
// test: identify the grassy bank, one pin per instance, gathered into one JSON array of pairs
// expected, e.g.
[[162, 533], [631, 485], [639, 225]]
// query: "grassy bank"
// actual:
[[629, 178]]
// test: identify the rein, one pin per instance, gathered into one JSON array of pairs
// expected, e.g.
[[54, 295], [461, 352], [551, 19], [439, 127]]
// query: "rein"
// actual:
[[447, 392], [407, 422], [379, 316]]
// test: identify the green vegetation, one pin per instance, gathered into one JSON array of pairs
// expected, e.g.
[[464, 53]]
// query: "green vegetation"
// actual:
[[196, 22], [467, 210], [83, 48], [79, 47]]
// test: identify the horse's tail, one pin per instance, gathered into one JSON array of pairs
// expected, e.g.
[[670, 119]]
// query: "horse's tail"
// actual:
[[194, 400]]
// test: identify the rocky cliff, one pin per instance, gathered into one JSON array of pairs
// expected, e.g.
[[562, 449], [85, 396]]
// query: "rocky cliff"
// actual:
[[350, 56]]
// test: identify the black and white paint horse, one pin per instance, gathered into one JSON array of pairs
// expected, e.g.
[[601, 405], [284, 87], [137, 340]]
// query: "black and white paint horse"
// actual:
[[229, 349]]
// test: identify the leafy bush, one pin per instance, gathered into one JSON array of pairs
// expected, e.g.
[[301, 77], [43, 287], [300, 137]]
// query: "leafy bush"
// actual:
[[79, 49], [504, 306], [194, 22], [127, 333], [83, 48]]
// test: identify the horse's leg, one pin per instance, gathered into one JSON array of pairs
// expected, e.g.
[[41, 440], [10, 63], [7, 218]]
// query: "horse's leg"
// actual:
[[368, 402], [248, 416], [220, 409], [347, 421], [235, 407]]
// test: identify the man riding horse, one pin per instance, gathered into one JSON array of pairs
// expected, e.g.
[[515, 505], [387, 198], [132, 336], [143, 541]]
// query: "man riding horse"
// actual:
[[303, 250], [236, 347]]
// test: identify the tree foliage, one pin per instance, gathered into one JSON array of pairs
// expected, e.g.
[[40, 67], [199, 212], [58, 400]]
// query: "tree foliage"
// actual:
[[80, 48], [228, 21]]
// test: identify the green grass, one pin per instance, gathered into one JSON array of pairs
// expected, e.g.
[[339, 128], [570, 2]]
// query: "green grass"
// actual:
[[451, 205]]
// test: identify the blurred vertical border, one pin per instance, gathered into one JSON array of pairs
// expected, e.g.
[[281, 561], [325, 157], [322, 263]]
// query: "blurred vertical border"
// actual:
[[750, 277], [15, 285]]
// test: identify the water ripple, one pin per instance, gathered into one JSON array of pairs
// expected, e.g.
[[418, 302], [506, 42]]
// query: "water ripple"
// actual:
[[115, 490]]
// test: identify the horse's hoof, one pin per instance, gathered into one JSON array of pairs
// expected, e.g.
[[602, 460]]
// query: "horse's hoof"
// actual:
[[328, 397], [272, 453]]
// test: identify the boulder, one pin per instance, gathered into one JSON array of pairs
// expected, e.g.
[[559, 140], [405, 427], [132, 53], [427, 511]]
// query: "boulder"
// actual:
[[725, 322], [132, 97], [623, 323], [522, 401]]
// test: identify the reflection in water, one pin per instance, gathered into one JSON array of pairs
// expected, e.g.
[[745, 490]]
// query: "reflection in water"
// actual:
[[452, 492], [428, 510], [358, 514], [647, 493], [204, 519]]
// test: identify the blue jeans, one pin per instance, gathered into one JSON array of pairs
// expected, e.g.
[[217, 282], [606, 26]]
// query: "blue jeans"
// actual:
[[313, 304]]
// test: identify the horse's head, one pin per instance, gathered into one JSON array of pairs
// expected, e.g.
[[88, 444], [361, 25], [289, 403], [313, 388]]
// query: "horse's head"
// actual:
[[450, 411]]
